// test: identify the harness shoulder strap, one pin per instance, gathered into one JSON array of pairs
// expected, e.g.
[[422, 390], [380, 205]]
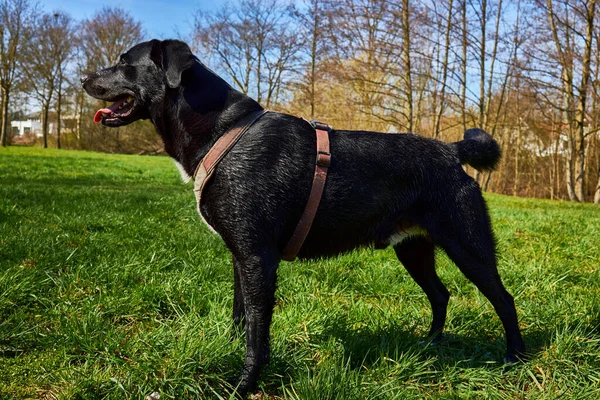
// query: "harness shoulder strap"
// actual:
[[322, 162], [205, 170], [207, 166]]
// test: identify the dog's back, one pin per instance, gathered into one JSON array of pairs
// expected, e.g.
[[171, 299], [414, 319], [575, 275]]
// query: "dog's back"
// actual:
[[376, 183]]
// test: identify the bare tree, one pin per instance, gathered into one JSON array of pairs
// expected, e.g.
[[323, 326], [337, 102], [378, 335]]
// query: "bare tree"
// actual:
[[464, 62], [313, 23], [254, 44], [16, 20], [263, 16], [226, 43], [491, 76], [63, 46], [528, 71], [580, 182], [108, 34], [512, 43], [406, 56], [46, 56], [370, 59], [572, 34], [439, 111], [597, 192], [281, 59], [104, 37]]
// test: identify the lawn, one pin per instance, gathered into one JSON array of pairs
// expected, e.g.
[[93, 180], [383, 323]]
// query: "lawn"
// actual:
[[111, 287]]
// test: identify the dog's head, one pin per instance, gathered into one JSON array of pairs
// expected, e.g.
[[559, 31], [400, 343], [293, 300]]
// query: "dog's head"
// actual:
[[141, 78]]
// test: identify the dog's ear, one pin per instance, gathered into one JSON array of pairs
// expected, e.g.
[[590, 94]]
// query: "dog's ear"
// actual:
[[173, 57]]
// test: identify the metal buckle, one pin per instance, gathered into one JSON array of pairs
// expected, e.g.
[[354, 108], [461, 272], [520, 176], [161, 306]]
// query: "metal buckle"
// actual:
[[323, 159], [320, 125]]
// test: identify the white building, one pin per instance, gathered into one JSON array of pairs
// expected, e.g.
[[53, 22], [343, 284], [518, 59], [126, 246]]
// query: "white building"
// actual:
[[29, 126]]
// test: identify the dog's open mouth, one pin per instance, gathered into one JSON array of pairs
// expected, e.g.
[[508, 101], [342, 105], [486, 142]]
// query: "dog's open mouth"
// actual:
[[120, 109]]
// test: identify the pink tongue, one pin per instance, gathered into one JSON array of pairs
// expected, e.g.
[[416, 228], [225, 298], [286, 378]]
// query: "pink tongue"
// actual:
[[110, 109]]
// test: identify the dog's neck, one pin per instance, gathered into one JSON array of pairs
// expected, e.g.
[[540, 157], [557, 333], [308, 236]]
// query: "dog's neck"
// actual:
[[195, 115]]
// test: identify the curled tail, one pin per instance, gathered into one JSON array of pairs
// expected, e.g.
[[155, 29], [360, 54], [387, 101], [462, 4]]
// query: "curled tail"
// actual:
[[478, 149]]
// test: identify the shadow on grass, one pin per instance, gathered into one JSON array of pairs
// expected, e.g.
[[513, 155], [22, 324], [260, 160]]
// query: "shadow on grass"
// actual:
[[366, 346]]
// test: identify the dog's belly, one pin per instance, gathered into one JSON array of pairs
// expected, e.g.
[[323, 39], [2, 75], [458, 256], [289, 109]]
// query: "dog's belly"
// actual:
[[324, 243], [402, 234]]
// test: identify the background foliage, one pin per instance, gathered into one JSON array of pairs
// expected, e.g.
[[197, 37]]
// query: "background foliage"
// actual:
[[527, 71]]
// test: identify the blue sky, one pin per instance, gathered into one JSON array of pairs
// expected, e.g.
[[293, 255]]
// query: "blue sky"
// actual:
[[161, 19]]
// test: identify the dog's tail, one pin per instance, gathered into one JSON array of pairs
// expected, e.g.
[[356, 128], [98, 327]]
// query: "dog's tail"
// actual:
[[478, 149]]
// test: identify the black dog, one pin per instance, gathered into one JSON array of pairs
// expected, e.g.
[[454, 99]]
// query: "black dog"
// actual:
[[402, 190]]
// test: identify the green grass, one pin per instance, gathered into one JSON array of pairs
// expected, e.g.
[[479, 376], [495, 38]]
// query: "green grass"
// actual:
[[111, 287]]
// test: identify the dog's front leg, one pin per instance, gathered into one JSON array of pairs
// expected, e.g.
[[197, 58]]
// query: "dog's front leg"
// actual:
[[257, 274]]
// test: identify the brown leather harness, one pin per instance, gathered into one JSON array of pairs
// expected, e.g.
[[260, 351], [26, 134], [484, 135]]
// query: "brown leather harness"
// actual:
[[206, 168], [322, 163]]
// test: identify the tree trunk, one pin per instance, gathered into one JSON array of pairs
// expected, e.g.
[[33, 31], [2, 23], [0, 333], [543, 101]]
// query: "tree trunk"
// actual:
[[45, 109], [556, 162], [568, 96], [580, 185], [58, 110], [438, 117], [463, 89], [569, 171], [507, 76], [486, 115], [477, 175], [579, 170], [482, 63], [597, 194], [517, 158], [79, 115], [407, 64], [313, 58], [2, 139], [259, 57], [4, 128]]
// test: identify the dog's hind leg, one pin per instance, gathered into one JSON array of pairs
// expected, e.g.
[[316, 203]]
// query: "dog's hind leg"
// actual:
[[485, 276], [257, 277], [465, 233], [239, 312], [417, 256]]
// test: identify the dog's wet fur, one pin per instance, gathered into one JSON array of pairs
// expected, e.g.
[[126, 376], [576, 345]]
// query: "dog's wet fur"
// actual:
[[403, 190]]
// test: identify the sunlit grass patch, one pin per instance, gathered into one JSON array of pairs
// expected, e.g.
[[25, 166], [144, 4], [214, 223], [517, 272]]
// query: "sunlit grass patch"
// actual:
[[111, 287]]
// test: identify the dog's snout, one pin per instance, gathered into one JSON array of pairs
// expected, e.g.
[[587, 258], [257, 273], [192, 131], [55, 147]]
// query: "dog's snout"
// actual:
[[84, 78]]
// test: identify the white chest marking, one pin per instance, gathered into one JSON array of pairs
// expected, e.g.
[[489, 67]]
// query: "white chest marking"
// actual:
[[184, 175], [401, 235], [186, 178]]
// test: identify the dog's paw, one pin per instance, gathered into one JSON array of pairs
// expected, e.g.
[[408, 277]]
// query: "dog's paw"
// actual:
[[246, 381], [237, 391], [514, 358], [433, 340], [437, 339]]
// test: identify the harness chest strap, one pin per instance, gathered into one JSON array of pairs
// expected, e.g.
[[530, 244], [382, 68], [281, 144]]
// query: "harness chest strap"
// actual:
[[314, 198], [205, 170]]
